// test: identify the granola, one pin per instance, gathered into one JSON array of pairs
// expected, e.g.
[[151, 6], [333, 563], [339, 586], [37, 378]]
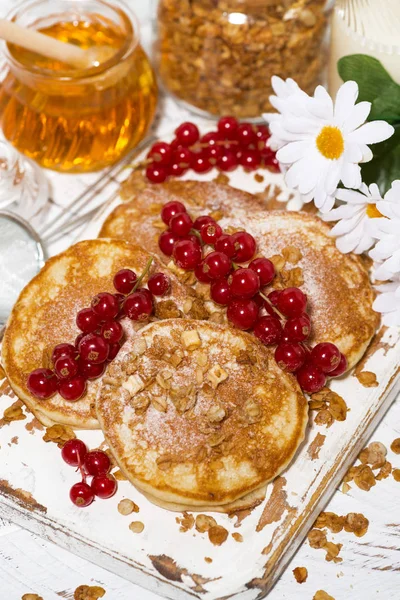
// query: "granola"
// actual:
[[225, 67]]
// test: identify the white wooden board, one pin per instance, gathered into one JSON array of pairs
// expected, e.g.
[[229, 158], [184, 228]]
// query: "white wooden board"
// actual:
[[35, 482]]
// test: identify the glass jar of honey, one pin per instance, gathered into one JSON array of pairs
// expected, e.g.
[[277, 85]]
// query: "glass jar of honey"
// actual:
[[77, 119]]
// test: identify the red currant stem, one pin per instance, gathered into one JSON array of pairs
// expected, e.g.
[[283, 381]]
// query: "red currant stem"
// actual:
[[217, 143], [271, 305], [235, 266], [82, 470], [143, 275], [198, 234]]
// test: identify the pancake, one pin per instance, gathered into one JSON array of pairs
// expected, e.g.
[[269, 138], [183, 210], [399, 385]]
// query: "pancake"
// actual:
[[199, 414], [139, 219], [338, 287], [44, 316]]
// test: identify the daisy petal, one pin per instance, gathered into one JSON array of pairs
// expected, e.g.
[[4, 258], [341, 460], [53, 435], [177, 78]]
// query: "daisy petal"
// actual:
[[345, 100], [292, 152], [357, 116], [371, 133]]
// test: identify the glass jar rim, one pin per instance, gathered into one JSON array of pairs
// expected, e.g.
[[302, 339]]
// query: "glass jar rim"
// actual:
[[132, 40]]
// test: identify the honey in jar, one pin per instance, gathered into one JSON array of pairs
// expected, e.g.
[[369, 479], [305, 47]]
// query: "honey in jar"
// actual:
[[77, 120]]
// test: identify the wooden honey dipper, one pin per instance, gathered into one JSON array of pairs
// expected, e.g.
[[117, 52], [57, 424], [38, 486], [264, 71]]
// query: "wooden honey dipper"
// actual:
[[47, 46]]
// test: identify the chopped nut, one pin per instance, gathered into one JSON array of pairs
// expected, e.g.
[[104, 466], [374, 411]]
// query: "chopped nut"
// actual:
[[140, 401], [246, 357], [127, 507], [337, 406], [167, 309], [164, 462], [184, 398], [163, 381], [364, 478], [345, 488], [14, 412], [317, 539], [201, 359], [300, 574], [59, 434], [198, 310], [217, 535], [237, 537], [136, 527], [133, 384], [357, 524], [216, 215], [31, 597], [290, 278], [367, 379], [253, 411], [215, 439], [395, 446], [187, 305], [384, 471], [216, 413], [216, 375], [176, 358], [199, 376], [321, 595], [191, 340], [159, 403], [87, 592], [278, 261], [396, 474], [186, 522], [208, 559], [331, 521], [201, 454], [332, 551], [324, 417], [292, 254], [204, 523]]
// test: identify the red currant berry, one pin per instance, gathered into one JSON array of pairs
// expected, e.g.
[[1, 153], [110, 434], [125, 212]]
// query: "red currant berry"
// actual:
[[114, 349], [182, 157], [292, 302], [156, 173], [111, 331], [181, 224], [81, 494], [200, 163], [91, 370], [325, 356], [210, 232], [211, 138], [187, 134], [104, 486], [147, 293], [216, 265], [124, 280], [310, 378], [105, 305], [159, 284], [227, 161], [138, 306], [245, 284], [226, 245], [87, 320], [161, 154], [250, 160], [93, 348], [290, 357], [245, 134], [170, 209], [66, 367], [220, 292], [73, 389], [62, 350], [273, 297], [341, 368], [203, 220], [73, 452], [97, 463], [227, 127], [245, 246], [268, 330], [297, 329], [264, 269], [200, 274], [273, 164], [187, 254], [242, 313], [212, 154], [262, 132], [166, 242], [176, 170], [42, 383]]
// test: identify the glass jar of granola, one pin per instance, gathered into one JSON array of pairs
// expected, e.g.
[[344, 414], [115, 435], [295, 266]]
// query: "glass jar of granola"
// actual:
[[218, 56]]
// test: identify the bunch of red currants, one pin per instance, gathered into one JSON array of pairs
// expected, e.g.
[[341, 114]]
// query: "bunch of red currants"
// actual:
[[95, 464], [233, 144], [277, 319], [101, 335]]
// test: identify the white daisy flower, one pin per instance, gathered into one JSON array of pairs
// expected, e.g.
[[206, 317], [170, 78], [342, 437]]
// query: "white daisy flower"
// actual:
[[387, 231], [351, 230], [321, 142], [388, 303]]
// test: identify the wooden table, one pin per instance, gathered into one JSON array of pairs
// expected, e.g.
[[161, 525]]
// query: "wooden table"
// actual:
[[371, 565]]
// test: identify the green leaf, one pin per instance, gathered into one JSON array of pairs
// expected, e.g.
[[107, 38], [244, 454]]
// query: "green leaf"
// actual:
[[386, 106], [368, 72], [384, 168]]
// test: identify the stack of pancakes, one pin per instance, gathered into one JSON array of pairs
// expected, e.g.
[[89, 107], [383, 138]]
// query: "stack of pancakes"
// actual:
[[197, 414]]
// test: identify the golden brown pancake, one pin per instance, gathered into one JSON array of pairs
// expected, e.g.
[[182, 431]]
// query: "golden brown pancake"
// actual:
[[45, 312], [338, 286], [199, 414]]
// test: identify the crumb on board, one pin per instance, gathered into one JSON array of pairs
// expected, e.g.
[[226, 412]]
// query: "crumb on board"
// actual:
[[396, 474], [217, 535], [300, 574], [367, 379], [395, 446], [31, 597], [136, 526], [237, 537], [14, 413], [89, 592], [372, 458], [321, 595], [58, 434], [186, 522], [208, 559], [127, 507]]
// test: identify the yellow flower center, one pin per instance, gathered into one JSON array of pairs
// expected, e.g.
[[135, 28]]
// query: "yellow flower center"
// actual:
[[330, 142], [373, 212]]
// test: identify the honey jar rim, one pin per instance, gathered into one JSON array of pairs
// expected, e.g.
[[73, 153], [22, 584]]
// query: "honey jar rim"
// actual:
[[131, 42]]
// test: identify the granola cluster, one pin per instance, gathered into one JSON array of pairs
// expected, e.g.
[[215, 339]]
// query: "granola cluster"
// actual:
[[219, 55]]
